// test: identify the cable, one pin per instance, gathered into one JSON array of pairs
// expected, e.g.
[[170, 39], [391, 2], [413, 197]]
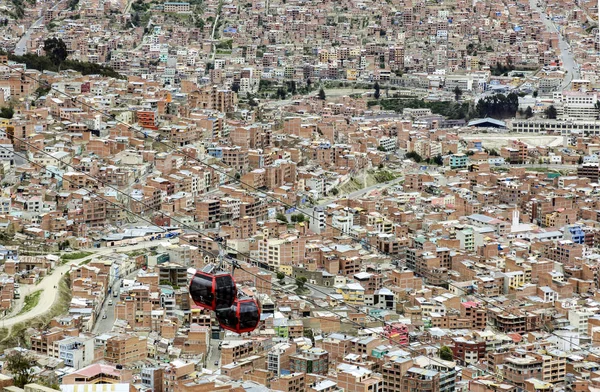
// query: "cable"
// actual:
[[279, 289], [252, 187], [364, 244], [183, 225], [74, 99], [257, 276]]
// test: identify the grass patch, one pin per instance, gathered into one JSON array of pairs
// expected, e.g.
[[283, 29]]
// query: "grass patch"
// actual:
[[135, 253], [75, 255], [384, 175], [31, 301]]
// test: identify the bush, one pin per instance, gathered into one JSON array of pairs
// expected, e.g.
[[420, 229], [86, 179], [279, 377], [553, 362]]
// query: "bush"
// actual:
[[7, 112], [75, 255], [414, 156]]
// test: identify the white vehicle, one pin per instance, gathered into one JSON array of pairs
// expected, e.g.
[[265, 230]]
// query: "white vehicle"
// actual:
[[110, 302]]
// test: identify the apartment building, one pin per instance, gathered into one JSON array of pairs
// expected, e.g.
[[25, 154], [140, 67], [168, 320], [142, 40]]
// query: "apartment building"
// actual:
[[312, 360], [124, 349], [354, 378]]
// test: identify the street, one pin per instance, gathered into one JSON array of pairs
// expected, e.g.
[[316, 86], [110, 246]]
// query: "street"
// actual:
[[566, 55], [104, 325], [213, 355]]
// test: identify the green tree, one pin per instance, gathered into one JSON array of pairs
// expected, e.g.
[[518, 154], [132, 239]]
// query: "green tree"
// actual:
[[322, 94], [535, 94], [446, 353], [550, 112], [56, 50], [438, 160], [19, 365], [301, 282], [580, 160], [377, 93], [457, 93], [528, 112], [280, 277], [335, 191], [281, 217], [298, 218], [7, 112], [414, 156], [292, 87]]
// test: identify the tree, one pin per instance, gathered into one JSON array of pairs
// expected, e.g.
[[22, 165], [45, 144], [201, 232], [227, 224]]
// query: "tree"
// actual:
[[281, 217], [19, 365], [457, 93], [377, 93], [528, 112], [550, 112], [7, 112], [438, 160], [535, 94], [446, 353], [292, 87], [580, 160], [56, 50], [322, 94], [414, 156], [300, 282], [335, 191], [299, 218], [280, 277], [235, 87]]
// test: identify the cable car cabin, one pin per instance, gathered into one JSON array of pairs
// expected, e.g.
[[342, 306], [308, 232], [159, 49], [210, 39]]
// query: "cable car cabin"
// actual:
[[243, 316], [213, 291]]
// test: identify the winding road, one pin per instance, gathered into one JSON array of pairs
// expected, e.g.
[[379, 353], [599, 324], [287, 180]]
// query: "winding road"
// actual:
[[48, 284]]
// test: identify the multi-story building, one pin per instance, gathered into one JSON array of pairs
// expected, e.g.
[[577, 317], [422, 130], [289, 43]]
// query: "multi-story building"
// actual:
[[124, 349], [312, 360], [354, 378], [76, 352]]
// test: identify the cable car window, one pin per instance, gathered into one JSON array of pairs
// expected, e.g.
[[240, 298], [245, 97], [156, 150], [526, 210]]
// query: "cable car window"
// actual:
[[228, 317], [201, 289], [249, 315], [225, 291]]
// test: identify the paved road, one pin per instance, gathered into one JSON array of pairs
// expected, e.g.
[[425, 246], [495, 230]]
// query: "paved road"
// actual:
[[566, 55], [214, 355], [51, 281], [21, 47], [104, 325]]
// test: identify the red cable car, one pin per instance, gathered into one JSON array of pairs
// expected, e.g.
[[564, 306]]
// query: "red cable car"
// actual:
[[243, 316], [213, 290]]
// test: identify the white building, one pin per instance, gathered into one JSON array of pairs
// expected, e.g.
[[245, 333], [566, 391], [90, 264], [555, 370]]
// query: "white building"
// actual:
[[578, 318], [76, 352]]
